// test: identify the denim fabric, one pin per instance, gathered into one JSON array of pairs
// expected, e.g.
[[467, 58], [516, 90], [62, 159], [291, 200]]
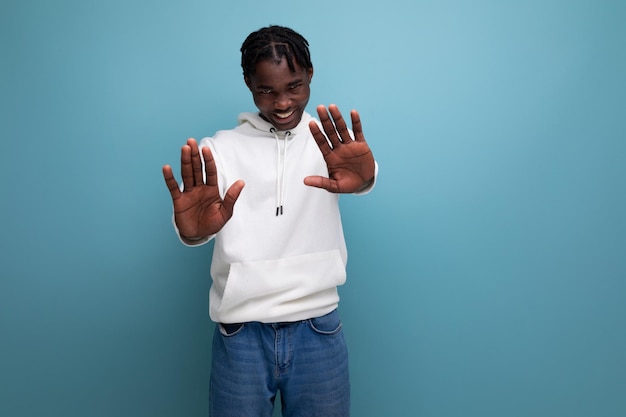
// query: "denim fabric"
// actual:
[[306, 361]]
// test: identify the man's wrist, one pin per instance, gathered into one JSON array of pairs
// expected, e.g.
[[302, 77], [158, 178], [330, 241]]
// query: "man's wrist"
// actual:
[[366, 185]]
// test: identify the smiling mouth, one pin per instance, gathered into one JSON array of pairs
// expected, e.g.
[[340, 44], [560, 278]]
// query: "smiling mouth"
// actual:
[[284, 115]]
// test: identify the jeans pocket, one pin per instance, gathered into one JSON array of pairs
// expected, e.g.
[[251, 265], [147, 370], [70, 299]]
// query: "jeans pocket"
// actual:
[[229, 330], [327, 325]]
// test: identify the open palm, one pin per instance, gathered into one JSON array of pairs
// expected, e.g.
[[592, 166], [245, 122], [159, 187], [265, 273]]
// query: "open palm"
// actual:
[[350, 161], [199, 210]]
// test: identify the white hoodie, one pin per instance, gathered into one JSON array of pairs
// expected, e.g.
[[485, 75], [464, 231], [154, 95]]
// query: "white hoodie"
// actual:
[[282, 254]]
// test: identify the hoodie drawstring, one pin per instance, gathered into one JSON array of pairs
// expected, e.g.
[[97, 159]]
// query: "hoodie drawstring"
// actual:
[[280, 170]]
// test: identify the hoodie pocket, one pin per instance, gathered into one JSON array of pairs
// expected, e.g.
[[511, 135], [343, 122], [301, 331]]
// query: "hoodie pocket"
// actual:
[[261, 290]]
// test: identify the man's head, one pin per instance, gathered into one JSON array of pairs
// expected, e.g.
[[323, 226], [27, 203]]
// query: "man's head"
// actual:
[[277, 69]]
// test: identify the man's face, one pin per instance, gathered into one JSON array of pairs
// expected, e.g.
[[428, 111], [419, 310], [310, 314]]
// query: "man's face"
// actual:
[[280, 95]]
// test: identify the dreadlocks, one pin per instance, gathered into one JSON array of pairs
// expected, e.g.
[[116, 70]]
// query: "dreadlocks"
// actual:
[[272, 43]]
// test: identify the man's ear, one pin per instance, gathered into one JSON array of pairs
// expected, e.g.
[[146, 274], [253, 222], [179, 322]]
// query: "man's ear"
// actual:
[[247, 81], [310, 73]]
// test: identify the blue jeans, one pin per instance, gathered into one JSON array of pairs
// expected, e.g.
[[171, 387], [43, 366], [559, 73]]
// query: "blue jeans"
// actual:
[[306, 361]]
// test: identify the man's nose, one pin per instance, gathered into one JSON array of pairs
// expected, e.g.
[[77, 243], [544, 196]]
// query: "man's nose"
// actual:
[[282, 101]]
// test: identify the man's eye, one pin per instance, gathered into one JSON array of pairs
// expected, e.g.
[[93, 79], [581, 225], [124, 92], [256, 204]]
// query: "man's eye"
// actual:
[[295, 86], [265, 91]]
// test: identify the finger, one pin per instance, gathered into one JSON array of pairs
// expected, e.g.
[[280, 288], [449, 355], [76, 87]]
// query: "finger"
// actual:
[[320, 139], [230, 199], [357, 128], [209, 167], [340, 123], [170, 182], [186, 169], [328, 125], [196, 162], [322, 182]]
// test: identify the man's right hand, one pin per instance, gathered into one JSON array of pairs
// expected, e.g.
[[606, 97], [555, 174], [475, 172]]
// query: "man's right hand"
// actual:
[[199, 210]]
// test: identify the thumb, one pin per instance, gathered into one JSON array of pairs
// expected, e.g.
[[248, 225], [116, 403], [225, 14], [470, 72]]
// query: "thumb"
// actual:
[[232, 194]]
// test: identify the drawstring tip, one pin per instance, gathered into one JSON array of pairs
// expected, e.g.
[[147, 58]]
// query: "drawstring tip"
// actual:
[[279, 210]]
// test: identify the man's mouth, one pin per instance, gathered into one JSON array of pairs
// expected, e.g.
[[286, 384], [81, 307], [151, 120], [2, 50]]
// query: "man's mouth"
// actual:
[[284, 115]]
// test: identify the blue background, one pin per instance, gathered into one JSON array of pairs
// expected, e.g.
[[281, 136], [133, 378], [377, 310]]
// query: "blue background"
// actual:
[[487, 270]]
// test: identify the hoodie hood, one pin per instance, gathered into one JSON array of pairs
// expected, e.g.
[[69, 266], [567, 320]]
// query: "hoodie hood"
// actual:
[[255, 121]]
